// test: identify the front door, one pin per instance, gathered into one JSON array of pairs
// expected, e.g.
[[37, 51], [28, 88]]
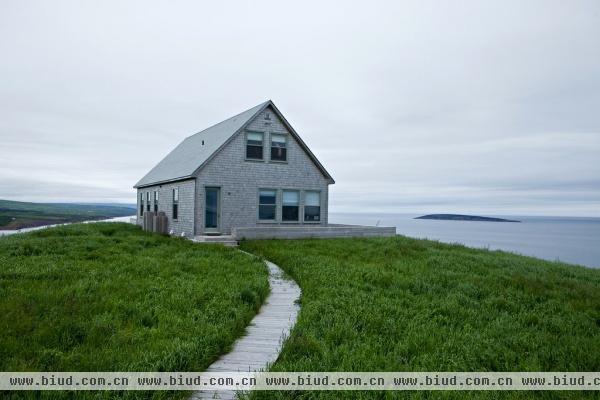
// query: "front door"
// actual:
[[212, 210]]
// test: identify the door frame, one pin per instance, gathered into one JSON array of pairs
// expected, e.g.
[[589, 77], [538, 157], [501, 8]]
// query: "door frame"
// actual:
[[218, 228]]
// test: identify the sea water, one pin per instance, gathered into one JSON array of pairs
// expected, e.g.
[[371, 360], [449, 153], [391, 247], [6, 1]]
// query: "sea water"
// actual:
[[569, 239]]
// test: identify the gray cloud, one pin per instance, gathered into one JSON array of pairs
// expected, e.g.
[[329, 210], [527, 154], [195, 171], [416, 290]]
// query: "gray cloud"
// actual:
[[413, 106]]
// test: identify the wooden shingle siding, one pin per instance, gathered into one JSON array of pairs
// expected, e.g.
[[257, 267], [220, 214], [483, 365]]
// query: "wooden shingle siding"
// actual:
[[240, 180], [216, 157], [185, 220]]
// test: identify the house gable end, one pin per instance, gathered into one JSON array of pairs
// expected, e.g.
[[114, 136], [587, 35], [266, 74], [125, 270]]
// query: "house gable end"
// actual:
[[196, 151], [276, 124]]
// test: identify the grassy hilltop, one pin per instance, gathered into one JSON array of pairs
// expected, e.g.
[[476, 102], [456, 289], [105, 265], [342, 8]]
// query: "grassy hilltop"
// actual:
[[102, 297], [17, 214], [109, 297], [400, 304]]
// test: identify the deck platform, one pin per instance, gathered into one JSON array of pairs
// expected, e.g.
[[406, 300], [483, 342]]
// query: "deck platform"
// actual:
[[311, 231]]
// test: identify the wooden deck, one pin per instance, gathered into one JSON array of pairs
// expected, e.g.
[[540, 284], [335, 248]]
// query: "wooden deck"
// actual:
[[265, 334], [310, 231]]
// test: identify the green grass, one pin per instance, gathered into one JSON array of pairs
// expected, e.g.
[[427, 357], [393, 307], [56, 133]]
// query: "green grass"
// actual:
[[17, 214], [400, 304], [109, 297]]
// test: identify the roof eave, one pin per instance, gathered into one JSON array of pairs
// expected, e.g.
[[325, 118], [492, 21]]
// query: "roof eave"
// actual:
[[182, 178]]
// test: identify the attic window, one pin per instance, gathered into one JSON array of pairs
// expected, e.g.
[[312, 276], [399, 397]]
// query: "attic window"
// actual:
[[267, 116], [278, 148], [203, 143], [254, 145]]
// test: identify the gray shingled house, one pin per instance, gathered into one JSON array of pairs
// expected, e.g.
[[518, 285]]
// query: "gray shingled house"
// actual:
[[251, 170]]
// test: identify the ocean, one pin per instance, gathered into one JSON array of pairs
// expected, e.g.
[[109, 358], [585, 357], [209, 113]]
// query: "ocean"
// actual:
[[568, 239]]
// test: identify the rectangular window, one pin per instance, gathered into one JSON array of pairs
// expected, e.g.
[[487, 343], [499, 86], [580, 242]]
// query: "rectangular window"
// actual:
[[267, 200], [312, 206], [254, 145], [175, 202], [278, 147], [156, 201], [147, 201], [290, 205], [141, 204]]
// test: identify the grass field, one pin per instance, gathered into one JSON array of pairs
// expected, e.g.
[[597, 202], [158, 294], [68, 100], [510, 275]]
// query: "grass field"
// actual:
[[400, 304], [18, 215], [109, 297]]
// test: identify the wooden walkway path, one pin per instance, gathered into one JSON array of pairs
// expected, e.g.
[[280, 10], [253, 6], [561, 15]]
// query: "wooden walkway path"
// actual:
[[265, 334]]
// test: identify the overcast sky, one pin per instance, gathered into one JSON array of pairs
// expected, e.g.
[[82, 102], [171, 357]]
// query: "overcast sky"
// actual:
[[413, 106]]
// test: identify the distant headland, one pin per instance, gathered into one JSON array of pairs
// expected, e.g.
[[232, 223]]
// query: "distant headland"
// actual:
[[459, 217]]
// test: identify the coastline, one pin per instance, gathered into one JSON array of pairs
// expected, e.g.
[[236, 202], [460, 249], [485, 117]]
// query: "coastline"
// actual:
[[8, 232], [571, 240]]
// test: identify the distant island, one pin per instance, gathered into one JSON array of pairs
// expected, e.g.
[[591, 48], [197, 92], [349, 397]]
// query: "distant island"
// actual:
[[459, 217], [17, 215]]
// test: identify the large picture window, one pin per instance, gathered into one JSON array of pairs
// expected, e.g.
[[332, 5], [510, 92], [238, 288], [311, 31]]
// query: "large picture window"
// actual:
[[312, 206], [175, 202], [254, 145], [278, 147], [290, 205], [267, 201], [156, 201]]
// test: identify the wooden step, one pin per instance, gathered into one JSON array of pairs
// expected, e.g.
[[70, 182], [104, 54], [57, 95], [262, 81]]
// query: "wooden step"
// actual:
[[226, 240]]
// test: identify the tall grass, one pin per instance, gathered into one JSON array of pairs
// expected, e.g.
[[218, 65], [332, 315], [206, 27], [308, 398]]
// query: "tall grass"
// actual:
[[109, 297], [400, 304]]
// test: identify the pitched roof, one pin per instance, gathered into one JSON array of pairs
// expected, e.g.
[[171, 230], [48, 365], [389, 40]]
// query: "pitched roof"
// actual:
[[191, 154]]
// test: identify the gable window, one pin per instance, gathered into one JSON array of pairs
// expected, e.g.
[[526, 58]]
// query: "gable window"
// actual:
[[156, 201], [312, 206], [254, 145], [141, 204], [290, 205], [175, 202], [267, 200], [147, 201], [278, 147]]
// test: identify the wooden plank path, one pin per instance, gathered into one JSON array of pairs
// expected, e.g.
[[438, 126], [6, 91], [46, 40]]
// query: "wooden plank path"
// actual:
[[264, 336]]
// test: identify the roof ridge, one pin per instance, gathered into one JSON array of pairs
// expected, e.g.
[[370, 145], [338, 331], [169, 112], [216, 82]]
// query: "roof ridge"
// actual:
[[230, 118]]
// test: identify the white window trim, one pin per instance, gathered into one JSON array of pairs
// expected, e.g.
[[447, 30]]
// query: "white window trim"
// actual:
[[320, 207], [246, 146], [299, 192], [268, 221], [173, 202], [285, 135]]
